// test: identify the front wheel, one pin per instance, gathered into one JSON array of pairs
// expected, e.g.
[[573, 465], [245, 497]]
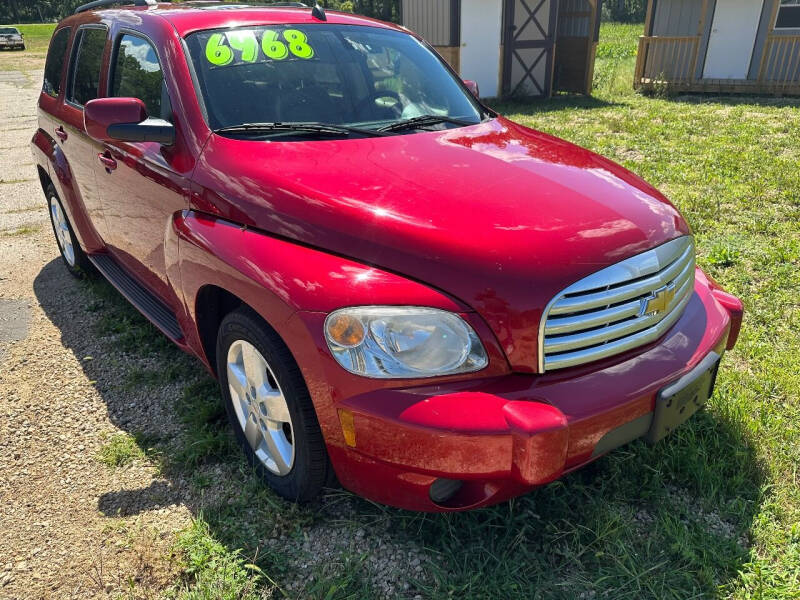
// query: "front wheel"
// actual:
[[270, 408]]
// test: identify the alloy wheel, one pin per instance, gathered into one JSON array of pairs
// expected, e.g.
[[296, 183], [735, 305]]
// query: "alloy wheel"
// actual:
[[61, 227], [260, 407]]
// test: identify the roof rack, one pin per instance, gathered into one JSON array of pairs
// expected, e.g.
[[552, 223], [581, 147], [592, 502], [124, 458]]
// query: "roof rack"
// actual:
[[102, 3], [317, 11]]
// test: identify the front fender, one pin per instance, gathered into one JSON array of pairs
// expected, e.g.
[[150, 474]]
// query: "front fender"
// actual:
[[293, 287], [277, 277]]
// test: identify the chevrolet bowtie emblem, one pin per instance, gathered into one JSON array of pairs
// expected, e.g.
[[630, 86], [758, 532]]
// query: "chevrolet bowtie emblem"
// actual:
[[658, 301]]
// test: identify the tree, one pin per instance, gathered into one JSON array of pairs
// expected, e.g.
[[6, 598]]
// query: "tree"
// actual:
[[628, 11]]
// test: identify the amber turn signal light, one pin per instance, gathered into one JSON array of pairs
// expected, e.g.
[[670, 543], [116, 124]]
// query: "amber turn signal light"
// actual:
[[348, 427], [345, 330]]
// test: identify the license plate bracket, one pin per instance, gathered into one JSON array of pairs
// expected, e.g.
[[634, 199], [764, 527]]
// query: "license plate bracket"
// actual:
[[681, 399]]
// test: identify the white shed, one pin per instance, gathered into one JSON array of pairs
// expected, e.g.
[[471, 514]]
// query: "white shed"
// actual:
[[524, 48], [744, 46]]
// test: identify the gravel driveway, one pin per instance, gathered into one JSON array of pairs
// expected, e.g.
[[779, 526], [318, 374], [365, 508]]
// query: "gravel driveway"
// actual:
[[54, 417], [73, 525]]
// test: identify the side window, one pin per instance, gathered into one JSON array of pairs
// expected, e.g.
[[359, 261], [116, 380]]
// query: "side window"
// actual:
[[788, 15], [87, 62], [55, 62], [137, 74]]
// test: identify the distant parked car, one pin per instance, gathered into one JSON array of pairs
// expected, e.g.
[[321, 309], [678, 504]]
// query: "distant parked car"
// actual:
[[390, 280], [10, 37]]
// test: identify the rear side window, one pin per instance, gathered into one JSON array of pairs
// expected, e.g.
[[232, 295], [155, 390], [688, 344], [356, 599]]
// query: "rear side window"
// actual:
[[137, 74], [55, 63], [87, 62]]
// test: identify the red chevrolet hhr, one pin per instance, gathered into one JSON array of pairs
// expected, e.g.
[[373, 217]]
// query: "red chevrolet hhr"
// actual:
[[395, 286]]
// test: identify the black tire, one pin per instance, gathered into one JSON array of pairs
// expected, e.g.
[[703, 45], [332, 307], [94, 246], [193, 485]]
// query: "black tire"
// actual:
[[80, 266], [311, 469]]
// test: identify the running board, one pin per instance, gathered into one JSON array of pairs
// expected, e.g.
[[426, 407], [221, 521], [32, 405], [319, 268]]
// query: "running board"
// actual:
[[150, 306]]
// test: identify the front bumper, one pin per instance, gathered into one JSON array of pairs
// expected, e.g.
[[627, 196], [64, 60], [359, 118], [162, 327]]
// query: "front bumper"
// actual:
[[503, 436]]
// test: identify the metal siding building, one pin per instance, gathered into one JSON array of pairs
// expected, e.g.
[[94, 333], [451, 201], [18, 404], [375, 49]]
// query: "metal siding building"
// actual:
[[739, 46], [526, 48]]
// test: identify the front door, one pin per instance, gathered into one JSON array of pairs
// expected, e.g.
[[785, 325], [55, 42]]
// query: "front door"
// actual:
[[530, 29], [142, 188], [733, 36], [480, 44]]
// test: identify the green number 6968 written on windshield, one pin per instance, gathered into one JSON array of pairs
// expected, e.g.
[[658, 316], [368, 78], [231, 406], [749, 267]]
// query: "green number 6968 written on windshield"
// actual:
[[294, 41]]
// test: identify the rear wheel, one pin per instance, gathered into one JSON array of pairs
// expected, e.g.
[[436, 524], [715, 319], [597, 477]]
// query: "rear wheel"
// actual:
[[269, 407], [71, 253]]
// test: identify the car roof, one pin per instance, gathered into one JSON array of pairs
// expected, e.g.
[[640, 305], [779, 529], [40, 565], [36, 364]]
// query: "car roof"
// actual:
[[189, 17]]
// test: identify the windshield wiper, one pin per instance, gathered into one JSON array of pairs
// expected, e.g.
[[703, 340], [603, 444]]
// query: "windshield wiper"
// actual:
[[423, 121], [321, 128]]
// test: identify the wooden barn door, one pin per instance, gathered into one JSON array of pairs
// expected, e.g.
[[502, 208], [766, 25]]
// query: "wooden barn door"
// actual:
[[530, 28], [578, 28]]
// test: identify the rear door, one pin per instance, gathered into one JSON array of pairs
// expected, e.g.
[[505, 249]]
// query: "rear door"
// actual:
[[145, 188], [52, 124], [83, 83]]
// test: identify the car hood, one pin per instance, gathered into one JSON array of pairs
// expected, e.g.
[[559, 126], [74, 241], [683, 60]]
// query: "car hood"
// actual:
[[497, 215]]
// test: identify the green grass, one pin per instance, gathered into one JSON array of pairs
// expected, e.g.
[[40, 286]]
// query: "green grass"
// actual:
[[213, 571], [618, 40], [713, 512], [730, 165], [121, 449], [21, 231]]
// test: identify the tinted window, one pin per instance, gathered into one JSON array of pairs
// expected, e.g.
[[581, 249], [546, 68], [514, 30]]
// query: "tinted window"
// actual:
[[326, 73], [137, 74], [55, 62], [86, 72], [788, 15]]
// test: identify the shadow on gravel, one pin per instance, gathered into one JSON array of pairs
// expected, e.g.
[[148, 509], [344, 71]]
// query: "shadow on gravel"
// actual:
[[669, 521]]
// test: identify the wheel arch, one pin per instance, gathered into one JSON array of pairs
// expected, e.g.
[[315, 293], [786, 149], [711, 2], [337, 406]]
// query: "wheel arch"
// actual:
[[223, 265], [44, 178], [53, 168], [212, 304], [217, 275]]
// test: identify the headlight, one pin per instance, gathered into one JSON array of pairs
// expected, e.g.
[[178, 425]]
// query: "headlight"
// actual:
[[390, 342]]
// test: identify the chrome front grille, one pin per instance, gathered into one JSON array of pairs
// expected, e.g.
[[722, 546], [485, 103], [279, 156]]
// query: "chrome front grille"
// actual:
[[626, 305]]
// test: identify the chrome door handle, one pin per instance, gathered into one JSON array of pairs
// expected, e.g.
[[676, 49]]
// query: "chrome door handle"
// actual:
[[109, 163]]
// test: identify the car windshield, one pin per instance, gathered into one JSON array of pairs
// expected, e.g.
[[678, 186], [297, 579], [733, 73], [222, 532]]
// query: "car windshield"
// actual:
[[7, 30], [343, 75]]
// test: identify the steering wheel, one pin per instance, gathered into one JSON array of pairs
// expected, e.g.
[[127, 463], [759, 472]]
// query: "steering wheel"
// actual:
[[377, 95]]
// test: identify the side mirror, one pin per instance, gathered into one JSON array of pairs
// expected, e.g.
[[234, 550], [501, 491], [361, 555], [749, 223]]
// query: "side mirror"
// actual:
[[472, 86], [125, 120]]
